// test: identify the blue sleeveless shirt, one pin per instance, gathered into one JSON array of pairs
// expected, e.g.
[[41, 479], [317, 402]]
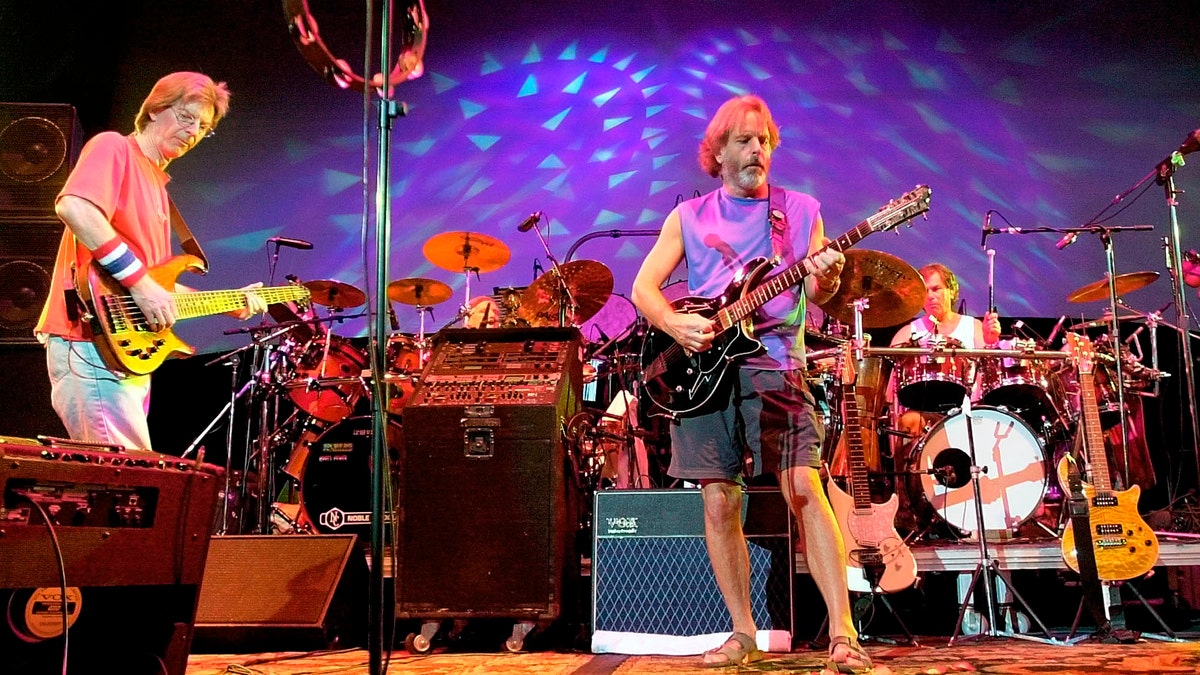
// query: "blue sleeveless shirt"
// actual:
[[721, 234]]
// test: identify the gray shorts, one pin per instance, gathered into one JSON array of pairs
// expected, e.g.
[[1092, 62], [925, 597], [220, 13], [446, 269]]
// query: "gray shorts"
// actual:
[[769, 424]]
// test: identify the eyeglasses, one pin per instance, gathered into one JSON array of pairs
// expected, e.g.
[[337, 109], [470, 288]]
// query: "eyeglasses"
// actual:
[[187, 119]]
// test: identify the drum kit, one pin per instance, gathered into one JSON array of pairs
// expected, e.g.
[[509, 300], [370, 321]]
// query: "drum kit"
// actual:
[[1024, 400], [313, 387]]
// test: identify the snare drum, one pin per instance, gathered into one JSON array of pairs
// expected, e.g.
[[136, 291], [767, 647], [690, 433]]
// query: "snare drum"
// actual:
[[935, 382], [1014, 476], [1020, 385], [328, 379], [335, 483]]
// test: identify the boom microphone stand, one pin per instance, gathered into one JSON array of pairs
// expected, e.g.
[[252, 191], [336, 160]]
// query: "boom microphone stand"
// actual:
[[987, 566]]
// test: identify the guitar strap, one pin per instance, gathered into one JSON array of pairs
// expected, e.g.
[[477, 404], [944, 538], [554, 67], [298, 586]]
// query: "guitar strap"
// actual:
[[1081, 525], [187, 241], [781, 239]]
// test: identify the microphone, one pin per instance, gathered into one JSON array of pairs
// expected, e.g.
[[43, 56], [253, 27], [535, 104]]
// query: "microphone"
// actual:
[[987, 222], [527, 224], [1067, 239], [291, 243], [1057, 327]]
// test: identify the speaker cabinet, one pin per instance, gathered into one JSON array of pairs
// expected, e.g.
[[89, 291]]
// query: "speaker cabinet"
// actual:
[[131, 532], [25, 409], [27, 249], [282, 593], [39, 143], [653, 587], [486, 513]]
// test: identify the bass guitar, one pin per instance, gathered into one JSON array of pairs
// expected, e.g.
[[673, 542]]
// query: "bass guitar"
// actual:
[[1125, 547], [120, 331], [876, 557], [679, 382]]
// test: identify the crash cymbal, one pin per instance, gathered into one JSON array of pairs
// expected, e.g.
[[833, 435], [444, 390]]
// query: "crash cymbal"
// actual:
[[1098, 290], [894, 290], [590, 283], [335, 294], [463, 251], [418, 291]]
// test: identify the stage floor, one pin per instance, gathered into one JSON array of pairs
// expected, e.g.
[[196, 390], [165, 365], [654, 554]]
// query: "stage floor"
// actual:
[[992, 655]]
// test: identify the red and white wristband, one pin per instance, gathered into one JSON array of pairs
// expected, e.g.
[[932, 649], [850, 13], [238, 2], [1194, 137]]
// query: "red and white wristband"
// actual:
[[118, 260]]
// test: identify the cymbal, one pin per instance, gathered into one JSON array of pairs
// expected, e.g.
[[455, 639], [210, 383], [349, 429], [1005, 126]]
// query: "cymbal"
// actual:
[[418, 291], [590, 283], [463, 251], [894, 290], [1103, 321], [335, 294], [1098, 290]]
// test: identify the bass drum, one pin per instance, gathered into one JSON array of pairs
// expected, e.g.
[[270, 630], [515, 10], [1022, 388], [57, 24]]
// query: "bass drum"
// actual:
[[1013, 481], [335, 482]]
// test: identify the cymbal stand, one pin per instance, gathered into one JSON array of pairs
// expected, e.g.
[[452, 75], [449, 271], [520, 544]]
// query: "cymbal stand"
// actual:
[[464, 313], [987, 566], [565, 299]]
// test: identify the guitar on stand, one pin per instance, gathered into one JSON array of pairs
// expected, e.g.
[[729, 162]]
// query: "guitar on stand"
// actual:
[[1123, 544], [877, 559]]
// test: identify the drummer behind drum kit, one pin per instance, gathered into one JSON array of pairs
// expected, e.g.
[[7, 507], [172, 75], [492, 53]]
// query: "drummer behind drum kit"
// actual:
[[1028, 404], [326, 433]]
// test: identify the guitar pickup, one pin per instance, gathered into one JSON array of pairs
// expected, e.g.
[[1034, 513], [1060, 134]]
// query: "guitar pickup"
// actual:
[[1109, 528]]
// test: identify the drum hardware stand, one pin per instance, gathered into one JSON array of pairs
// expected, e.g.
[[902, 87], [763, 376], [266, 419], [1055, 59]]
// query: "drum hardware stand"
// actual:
[[988, 566], [565, 299]]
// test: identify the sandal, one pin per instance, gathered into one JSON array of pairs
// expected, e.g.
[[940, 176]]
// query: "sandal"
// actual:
[[737, 650], [853, 652]]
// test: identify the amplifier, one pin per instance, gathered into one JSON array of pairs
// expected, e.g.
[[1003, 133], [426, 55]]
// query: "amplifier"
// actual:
[[133, 531], [653, 590], [485, 508]]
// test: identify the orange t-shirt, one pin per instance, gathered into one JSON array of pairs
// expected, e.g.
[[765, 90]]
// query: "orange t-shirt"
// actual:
[[131, 190]]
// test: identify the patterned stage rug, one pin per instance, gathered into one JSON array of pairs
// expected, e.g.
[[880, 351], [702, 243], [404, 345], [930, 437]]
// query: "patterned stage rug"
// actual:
[[1007, 656]]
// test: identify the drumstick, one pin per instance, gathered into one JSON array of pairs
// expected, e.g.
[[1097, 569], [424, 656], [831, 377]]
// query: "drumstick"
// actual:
[[991, 253]]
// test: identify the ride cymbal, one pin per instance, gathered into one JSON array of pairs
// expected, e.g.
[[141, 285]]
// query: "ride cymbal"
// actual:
[[418, 291], [335, 294], [1125, 283], [589, 282], [894, 290], [466, 251]]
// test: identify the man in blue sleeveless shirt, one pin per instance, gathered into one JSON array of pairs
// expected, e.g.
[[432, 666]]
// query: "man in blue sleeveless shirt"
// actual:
[[767, 423]]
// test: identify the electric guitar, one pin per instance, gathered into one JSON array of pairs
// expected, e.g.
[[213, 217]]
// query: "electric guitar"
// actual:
[[1124, 544], [679, 382], [120, 331], [876, 557]]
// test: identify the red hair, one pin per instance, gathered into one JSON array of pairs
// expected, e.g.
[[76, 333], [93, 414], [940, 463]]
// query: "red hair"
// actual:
[[728, 116]]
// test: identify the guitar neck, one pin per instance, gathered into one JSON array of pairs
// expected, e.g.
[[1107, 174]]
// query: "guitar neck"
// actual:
[[1093, 438], [856, 460], [206, 303], [792, 275]]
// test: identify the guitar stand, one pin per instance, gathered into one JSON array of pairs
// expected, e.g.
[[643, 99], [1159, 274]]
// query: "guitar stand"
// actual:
[[860, 608], [987, 568], [1114, 587]]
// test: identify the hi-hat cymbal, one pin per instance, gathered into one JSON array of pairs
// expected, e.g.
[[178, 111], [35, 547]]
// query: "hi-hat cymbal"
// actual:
[[418, 291], [1104, 321], [1098, 290], [590, 283], [894, 290], [335, 294], [466, 251]]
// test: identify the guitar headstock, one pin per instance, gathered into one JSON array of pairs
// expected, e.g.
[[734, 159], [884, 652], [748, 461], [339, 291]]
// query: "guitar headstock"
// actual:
[[898, 211], [845, 364], [1082, 352]]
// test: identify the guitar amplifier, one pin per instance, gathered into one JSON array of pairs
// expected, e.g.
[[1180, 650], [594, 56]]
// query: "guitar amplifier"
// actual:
[[653, 590], [131, 531], [486, 507]]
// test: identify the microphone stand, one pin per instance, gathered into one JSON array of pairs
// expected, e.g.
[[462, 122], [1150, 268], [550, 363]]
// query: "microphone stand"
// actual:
[[615, 234], [1166, 178], [1114, 332], [565, 298]]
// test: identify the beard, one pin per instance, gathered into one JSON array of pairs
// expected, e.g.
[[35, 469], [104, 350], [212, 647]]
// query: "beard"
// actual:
[[747, 178]]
